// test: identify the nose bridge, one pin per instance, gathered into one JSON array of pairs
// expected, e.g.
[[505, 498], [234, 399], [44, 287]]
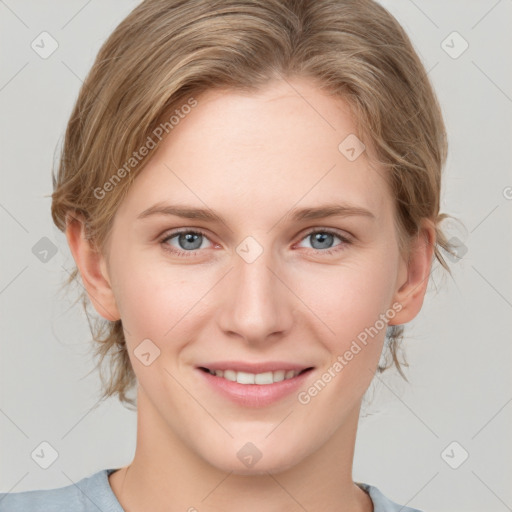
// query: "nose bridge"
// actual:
[[256, 305]]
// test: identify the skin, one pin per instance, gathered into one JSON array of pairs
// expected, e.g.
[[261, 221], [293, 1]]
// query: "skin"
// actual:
[[252, 158]]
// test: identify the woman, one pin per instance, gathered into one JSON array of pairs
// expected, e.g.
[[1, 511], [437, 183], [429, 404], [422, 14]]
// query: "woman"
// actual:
[[250, 191]]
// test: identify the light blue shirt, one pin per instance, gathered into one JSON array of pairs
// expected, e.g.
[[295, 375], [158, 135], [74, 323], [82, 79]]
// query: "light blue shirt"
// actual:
[[94, 494]]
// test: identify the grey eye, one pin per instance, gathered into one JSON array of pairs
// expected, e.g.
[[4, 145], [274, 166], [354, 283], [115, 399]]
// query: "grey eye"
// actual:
[[321, 240], [190, 240], [186, 240]]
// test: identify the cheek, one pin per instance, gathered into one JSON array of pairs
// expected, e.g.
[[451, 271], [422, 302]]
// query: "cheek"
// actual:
[[349, 299], [156, 299], [351, 302]]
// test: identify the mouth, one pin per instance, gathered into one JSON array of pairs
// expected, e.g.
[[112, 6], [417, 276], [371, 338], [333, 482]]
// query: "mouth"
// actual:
[[272, 383], [263, 378]]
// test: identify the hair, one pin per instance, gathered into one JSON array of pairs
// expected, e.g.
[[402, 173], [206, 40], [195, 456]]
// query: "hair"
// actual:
[[166, 52]]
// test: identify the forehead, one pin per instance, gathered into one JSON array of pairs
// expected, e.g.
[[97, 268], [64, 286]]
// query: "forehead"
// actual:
[[277, 146]]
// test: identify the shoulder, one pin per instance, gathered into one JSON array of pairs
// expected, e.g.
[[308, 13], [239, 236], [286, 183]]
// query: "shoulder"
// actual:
[[90, 494], [381, 503]]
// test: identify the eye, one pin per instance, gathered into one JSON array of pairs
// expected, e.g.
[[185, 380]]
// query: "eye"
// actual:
[[186, 243], [322, 240]]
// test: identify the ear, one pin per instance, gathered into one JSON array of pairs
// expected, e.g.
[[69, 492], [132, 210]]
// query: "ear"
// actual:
[[414, 274], [92, 267]]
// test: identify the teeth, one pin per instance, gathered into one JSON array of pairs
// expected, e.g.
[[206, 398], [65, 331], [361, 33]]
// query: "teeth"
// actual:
[[255, 378]]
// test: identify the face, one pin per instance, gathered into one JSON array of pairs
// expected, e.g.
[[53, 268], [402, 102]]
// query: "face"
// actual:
[[268, 283]]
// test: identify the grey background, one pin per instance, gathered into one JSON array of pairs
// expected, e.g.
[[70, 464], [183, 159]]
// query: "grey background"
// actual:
[[458, 348]]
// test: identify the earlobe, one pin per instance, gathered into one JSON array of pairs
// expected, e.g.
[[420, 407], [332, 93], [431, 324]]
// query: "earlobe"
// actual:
[[92, 267], [411, 291]]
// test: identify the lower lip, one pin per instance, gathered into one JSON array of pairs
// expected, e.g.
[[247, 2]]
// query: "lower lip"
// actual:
[[255, 395]]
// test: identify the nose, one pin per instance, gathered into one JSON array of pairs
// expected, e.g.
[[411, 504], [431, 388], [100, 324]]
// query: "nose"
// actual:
[[255, 301]]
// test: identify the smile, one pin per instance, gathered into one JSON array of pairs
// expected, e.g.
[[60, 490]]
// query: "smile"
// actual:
[[248, 389], [264, 378]]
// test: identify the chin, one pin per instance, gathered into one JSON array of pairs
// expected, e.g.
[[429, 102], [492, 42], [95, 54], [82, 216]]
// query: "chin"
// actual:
[[250, 461]]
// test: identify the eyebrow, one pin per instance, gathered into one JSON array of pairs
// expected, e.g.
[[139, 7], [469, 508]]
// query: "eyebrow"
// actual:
[[310, 213]]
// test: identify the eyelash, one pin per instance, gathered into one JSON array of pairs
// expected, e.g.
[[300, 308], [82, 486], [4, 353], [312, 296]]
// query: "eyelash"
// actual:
[[168, 236]]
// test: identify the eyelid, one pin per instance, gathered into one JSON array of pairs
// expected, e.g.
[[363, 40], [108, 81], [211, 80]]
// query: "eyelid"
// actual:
[[344, 235]]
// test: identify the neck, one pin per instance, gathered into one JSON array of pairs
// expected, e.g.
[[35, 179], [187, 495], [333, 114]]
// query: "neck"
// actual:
[[165, 474]]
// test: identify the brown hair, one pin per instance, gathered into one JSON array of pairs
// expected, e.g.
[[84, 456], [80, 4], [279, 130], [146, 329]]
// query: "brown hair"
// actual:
[[165, 52]]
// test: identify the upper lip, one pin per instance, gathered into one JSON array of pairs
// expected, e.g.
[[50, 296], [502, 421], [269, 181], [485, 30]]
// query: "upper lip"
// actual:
[[269, 366]]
